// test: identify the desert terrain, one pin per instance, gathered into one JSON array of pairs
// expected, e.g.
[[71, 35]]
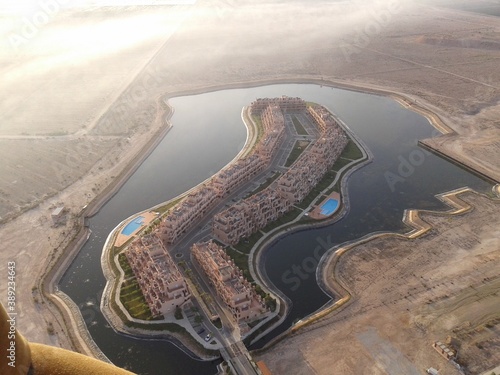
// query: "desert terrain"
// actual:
[[407, 294], [81, 98]]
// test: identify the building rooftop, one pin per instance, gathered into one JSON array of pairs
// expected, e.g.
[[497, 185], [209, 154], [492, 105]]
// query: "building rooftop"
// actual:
[[57, 211]]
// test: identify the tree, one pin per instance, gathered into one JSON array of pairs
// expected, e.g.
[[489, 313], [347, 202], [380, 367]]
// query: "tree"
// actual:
[[178, 313], [270, 303]]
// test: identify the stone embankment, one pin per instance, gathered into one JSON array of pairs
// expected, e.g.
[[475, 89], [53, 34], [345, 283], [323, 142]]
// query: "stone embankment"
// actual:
[[62, 308]]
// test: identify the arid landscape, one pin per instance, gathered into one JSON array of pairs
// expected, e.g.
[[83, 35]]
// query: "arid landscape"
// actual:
[[81, 101], [407, 294]]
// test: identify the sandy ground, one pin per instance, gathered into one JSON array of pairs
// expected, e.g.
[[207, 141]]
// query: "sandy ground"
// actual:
[[88, 107], [148, 217], [446, 60], [406, 294]]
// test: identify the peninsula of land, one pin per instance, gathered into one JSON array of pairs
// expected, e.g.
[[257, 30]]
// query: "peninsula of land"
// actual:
[[153, 283]]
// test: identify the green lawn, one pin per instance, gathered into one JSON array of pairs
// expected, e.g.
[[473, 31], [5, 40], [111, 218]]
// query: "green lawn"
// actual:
[[241, 260], [289, 216], [168, 206], [245, 245], [352, 151], [260, 128], [297, 150], [298, 126], [340, 163], [130, 293]]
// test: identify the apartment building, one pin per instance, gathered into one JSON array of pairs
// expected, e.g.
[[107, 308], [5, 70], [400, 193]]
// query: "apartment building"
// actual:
[[272, 118], [249, 215], [234, 223], [322, 117], [185, 214], [254, 213], [228, 281], [296, 183], [161, 283], [238, 173], [285, 103], [273, 123]]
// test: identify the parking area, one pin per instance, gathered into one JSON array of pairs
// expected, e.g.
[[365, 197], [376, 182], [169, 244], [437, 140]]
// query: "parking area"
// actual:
[[197, 322]]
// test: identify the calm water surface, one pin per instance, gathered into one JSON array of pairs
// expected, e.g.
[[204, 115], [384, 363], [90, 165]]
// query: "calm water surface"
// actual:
[[208, 133]]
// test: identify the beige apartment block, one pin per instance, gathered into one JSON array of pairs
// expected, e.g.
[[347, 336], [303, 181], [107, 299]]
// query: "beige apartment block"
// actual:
[[254, 213], [285, 103], [238, 173], [248, 216], [322, 117], [273, 123], [234, 223], [228, 281], [328, 149], [269, 144], [186, 213], [296, 183], [161, 283], [272, 118]]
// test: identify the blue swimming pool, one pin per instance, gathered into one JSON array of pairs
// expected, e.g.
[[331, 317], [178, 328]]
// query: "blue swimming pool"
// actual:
[[329, 207], [133, 225]]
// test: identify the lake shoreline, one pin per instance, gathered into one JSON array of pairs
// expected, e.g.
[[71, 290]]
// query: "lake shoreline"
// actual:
[[127, 171]]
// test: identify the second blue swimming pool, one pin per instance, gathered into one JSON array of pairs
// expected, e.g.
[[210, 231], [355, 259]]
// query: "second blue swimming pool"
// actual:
[[329, 207]]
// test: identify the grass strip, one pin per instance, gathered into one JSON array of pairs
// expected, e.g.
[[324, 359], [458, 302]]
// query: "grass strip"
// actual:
[[298, 126], [131, 294], [297, 150]]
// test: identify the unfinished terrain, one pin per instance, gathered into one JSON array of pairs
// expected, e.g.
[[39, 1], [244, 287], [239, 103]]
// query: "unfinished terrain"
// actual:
[[57, 82], [406, 294], [90, 75]]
